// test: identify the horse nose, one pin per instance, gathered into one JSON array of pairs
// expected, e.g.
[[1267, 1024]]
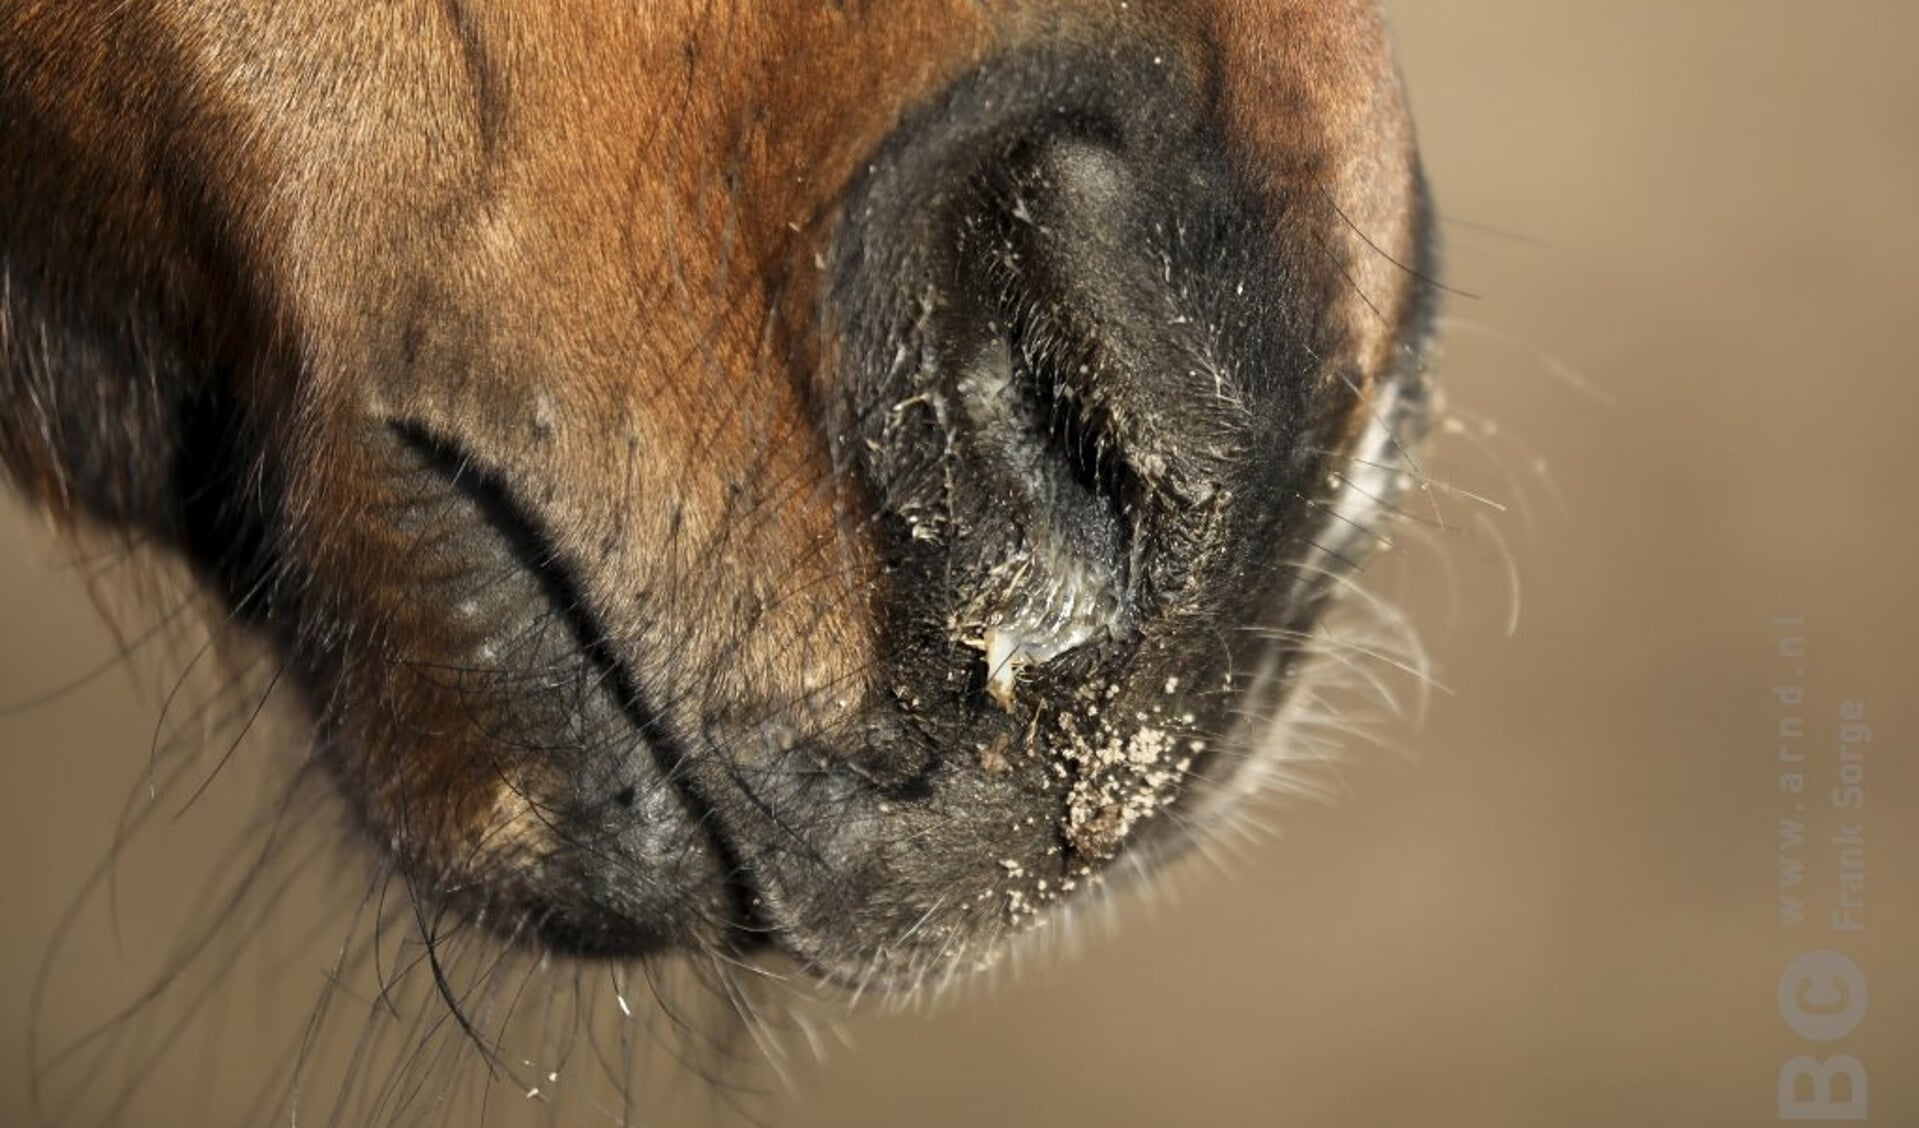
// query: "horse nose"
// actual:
[[1063, 380]]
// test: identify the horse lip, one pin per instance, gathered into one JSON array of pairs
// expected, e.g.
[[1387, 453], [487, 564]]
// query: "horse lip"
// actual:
[[645, 754]]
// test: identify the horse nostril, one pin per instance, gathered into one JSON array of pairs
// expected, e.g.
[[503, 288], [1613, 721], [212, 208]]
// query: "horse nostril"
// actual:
[[1039, 292], [1030, 455]]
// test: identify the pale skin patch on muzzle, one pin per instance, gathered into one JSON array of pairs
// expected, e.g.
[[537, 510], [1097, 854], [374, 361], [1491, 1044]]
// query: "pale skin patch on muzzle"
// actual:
[[513, 833]]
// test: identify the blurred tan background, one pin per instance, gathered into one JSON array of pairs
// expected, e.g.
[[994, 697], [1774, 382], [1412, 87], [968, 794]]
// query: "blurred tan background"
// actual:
[[1683, 364]]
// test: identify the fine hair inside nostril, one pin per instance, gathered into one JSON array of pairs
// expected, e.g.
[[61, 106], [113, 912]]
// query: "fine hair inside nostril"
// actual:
[[1061, 583]]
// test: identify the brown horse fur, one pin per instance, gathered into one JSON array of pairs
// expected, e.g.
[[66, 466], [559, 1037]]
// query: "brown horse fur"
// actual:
[[631, 422]]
